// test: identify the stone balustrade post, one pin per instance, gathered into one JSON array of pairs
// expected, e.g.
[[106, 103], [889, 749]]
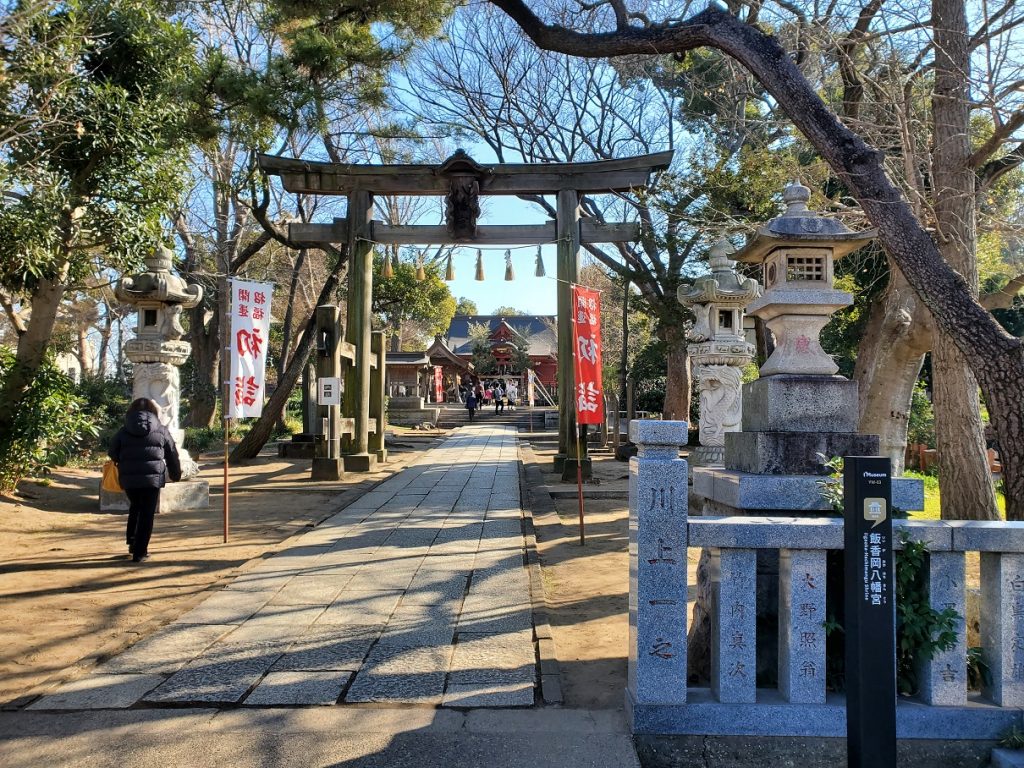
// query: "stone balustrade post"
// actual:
[[1002, 626], [944, 676], [801, 634], [734, 625], [658, 569]]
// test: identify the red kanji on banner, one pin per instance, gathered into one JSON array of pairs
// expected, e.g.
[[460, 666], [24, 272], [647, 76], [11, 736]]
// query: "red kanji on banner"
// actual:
[[245, 390], [249, 342], [586, 335]]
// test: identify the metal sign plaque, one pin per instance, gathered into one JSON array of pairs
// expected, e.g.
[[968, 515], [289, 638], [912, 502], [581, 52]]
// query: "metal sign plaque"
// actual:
[[870, 620], [328, 390]]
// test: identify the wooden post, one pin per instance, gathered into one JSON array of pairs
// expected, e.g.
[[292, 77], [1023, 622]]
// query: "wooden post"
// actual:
[[357, 332], [309, 420], [630, 411], [225, 367], [615, 421], [604, 423], [376, 443], [326, 447], [226, 508]]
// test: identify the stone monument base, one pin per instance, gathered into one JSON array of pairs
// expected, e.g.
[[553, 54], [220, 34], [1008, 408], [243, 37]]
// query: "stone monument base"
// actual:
[[359, 462], [301, 446], [327, 469], [796, 453], [405, 403], [793, 403], [567, 468], [706, 456], [409, 417], [175, 497], [771, 715], [740, 493]]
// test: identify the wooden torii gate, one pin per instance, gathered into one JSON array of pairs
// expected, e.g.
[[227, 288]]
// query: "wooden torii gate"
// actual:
[[461, 181]]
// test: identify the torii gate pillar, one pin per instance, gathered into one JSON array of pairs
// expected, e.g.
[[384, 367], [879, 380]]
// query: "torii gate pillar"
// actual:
[[356, 448], [571, 451]]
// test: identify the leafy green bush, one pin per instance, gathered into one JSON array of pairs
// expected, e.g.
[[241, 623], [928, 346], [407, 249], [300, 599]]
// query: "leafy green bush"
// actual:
[[106, 401], [48, 427], [921, 429], [921, 631], [649, 374], [203, 439]]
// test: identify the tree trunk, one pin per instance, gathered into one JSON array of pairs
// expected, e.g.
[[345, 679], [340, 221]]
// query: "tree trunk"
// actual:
[[31, 346], [996, 357], [263, 428], [889, 362], [965, 482], [698, 640], [206, 351], [396, 337], [105, 332], [257, 437], [289, 313], [677, 380], [84, 361]]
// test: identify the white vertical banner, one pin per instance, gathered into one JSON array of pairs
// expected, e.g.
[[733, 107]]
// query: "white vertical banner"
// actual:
[[250, 332]]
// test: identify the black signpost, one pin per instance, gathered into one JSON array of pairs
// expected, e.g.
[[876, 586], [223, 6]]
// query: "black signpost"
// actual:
[[870, 613]]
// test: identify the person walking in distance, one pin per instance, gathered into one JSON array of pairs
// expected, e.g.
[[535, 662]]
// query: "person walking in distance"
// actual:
[[471, 403], [512, 392], [145, 455]]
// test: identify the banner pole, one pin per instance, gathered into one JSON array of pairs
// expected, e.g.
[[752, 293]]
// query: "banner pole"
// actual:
[[226, 369], [579, 479], [576, 410], [227, 437]]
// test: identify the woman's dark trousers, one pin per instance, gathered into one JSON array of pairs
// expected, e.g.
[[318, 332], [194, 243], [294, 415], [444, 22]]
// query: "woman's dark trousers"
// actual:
[[143, 504]]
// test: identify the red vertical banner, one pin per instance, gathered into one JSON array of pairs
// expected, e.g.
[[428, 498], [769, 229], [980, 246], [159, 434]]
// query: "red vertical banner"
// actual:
[[586, 352], [438, 384]]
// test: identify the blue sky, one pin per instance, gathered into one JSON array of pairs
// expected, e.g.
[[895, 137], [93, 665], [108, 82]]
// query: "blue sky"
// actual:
[[532, 295]]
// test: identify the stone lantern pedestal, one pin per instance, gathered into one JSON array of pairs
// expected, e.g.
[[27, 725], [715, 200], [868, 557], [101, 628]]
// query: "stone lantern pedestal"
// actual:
[[156, 354]]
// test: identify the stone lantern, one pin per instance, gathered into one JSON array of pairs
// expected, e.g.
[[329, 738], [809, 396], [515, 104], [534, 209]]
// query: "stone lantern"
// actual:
[[719, 351], [797, 252], [156, 352]]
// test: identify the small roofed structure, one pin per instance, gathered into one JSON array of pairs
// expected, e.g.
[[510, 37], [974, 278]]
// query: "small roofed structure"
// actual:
[[532, 335], [406, 374]]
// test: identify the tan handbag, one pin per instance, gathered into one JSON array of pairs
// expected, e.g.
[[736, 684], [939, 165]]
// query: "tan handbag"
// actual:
[[110, 483]]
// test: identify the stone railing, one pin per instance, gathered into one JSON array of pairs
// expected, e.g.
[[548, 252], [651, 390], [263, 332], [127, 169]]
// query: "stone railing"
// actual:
[[658, 697]]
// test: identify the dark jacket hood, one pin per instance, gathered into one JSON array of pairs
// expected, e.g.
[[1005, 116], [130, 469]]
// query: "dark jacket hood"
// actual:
[[140, 423]]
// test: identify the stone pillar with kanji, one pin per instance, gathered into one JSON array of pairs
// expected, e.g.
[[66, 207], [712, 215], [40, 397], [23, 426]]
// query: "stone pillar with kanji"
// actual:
[[156, 353]]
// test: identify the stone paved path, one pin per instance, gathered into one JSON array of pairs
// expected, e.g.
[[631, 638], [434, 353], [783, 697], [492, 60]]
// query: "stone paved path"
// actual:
[[416, 593]]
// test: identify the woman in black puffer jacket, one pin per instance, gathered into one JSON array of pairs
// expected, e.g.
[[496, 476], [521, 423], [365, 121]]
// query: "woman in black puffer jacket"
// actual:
[[145, 455]]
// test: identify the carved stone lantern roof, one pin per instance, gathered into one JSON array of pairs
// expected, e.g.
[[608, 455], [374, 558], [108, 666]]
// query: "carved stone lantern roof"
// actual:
[[158, 284], [800, 227], [724, 286]]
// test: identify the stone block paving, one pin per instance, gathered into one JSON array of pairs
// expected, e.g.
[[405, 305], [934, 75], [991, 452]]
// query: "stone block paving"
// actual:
[[416, 593]]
